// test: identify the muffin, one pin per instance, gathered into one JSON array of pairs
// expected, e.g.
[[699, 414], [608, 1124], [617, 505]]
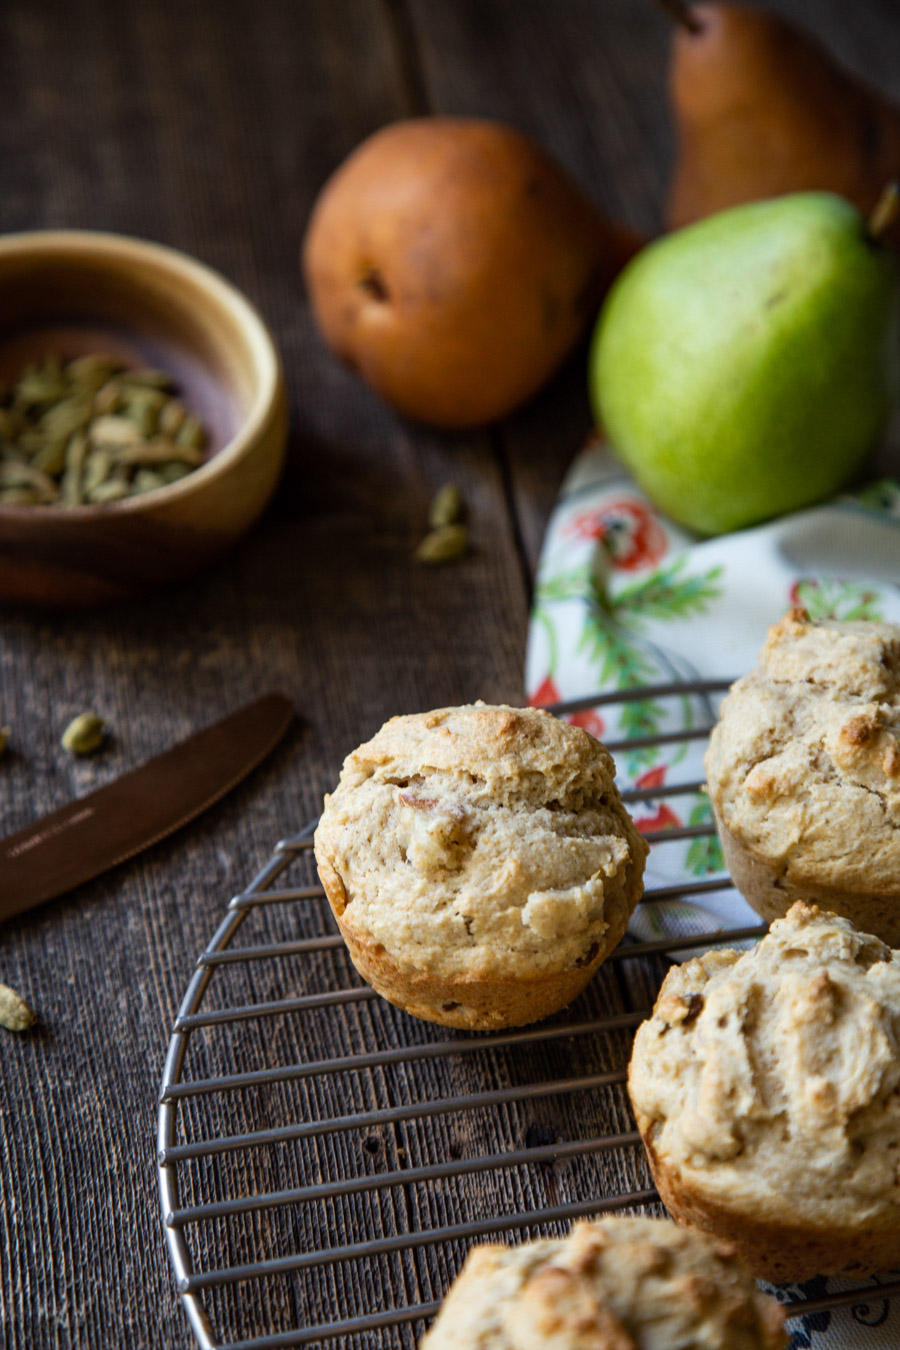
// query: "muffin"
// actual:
[[766, 1087], [803, 771], [479, 863], [617, 1284]]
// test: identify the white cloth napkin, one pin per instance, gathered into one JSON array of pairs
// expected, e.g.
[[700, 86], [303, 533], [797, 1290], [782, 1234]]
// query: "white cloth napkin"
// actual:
[[626, 597]]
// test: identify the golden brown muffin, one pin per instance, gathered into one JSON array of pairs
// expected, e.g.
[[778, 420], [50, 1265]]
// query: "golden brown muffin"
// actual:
[[766, 1087], [479, 862], [804, 773], [616, 1284]]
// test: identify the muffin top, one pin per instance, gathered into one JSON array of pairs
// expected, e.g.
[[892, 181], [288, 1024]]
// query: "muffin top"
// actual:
[[804, 764], [486, 841], [771, 1078], [616, 1284]]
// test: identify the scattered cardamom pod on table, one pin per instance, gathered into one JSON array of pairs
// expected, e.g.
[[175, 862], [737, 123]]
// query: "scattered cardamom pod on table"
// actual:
[[84, 734], [447, 507], [443, 544], [448, 537], [15, 1013]]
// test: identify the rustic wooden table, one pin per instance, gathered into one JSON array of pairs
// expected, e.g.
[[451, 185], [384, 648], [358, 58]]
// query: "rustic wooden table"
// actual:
[[210, 125]]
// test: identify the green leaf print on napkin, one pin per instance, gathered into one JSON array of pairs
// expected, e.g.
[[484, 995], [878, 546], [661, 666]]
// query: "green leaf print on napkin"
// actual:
[[828, 598], [613, 636], [666, 595], [704, 855]]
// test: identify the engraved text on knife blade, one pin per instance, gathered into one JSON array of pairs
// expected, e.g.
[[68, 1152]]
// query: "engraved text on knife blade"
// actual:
[[41, 836]]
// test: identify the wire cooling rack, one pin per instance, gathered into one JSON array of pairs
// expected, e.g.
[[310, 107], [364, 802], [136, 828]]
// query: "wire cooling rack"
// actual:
[[325, 1160]]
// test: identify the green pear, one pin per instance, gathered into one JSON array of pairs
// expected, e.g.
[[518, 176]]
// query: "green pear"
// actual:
[[745, 366]]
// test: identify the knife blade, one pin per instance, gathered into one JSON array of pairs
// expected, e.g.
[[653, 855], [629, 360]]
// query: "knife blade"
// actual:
[[137, 809]]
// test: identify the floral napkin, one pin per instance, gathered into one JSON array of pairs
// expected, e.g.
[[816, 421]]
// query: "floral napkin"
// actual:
[[626, 597]]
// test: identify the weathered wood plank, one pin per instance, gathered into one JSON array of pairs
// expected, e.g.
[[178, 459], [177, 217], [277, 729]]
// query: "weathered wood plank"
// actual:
[[210, 127]]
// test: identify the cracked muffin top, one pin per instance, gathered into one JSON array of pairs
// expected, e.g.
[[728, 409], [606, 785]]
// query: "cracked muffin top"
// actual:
[[615, 1284], [804, 764], [482, 841], [771, 1079]]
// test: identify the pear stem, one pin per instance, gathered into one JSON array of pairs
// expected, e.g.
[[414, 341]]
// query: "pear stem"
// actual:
[[885, 212], [684, 16]]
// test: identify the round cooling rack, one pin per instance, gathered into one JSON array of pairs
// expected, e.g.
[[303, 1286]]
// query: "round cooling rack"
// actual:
[[325, 1160]]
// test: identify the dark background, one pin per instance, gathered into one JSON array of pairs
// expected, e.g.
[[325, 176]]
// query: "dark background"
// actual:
[[210, 125]]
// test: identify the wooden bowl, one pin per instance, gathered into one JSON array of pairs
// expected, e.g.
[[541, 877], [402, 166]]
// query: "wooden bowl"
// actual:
[[72, 292]]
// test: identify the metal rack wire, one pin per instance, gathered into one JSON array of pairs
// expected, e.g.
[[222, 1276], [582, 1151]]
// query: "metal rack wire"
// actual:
[[312, 1196]]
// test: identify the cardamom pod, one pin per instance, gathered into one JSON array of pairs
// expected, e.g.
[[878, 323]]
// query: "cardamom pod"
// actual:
[[89, 430], [160, 450], [91, 372], [108, 398], [70, 414], [72, 493], [19, 496], [113, 430], [191, 433], [143, 394], [171, 472], [96, 470], [142, 408], [26, 476], [144, 416], [44, 385], [447, 507], [113, 490], [171, 417], [15, 1013], [84, 734], [152, 379], [146, 480], [443, 544], [51, 458]]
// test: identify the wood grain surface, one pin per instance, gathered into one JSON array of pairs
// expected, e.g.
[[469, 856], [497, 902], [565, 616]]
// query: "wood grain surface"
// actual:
[[210, 125]]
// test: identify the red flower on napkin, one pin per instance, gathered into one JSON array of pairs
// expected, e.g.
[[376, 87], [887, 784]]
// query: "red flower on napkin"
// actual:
[[653, 777], [630, 533], [589, 721], [665, 818], [546, 692]]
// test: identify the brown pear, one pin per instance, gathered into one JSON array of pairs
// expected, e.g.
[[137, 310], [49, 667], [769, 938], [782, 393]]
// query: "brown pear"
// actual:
[[762, 109], [454, 264]]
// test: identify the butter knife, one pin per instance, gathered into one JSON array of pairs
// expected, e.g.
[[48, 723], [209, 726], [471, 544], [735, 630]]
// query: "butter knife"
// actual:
[[103, 828]]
